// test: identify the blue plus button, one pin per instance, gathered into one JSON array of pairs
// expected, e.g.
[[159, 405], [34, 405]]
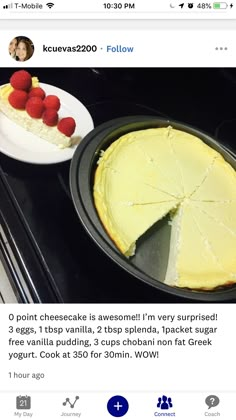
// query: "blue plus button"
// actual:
[[117, 406]]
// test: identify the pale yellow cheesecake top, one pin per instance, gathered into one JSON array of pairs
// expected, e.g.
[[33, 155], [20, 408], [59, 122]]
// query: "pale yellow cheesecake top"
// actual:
[[147, 174], [205, 250]]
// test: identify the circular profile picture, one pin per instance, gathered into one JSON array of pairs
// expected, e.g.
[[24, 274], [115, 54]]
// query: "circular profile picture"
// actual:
[[21, 48]]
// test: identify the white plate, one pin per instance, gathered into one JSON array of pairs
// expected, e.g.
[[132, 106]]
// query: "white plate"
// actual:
[[19, 144]]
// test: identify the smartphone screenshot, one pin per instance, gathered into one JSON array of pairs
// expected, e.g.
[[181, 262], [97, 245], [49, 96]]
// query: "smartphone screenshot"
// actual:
[[117, 210]]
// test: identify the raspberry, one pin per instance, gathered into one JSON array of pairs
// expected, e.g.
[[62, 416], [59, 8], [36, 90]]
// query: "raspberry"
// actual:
[[37, 91], [21, 80], [52, 101], [67, 126], [35, 107], [50, 117], [18, 99]]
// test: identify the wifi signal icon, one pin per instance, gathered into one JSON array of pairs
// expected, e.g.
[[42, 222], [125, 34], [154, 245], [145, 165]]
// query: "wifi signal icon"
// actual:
[[50, 5]]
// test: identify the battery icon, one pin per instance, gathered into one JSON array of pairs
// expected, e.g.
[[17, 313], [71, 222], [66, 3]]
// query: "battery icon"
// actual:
[[220, 5]]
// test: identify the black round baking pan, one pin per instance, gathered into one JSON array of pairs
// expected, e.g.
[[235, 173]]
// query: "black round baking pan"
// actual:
[[150, 260]]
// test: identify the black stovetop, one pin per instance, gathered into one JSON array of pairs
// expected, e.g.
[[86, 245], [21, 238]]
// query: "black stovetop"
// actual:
[[59, 260]]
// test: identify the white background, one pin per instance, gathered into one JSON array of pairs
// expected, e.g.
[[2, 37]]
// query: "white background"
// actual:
[[176, 366], [156, 49], [94, 9], [188, 374]]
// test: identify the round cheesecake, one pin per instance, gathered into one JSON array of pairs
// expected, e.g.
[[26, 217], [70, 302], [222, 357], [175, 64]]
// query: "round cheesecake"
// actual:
[[144, 176]]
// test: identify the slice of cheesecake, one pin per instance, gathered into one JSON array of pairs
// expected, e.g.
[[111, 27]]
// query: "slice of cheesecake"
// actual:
[[202, 253], [219, 184], [145, 175], [34, 125]]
